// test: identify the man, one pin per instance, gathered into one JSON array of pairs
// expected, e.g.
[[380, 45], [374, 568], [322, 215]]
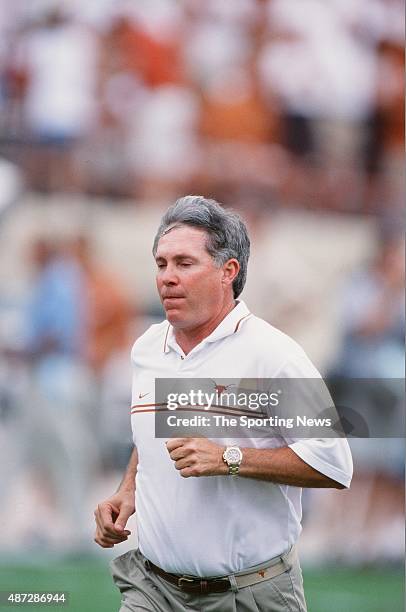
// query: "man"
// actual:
[[224, 542]]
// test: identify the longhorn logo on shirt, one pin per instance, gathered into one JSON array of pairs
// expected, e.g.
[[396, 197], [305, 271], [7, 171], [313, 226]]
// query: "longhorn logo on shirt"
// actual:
[[221, 388]]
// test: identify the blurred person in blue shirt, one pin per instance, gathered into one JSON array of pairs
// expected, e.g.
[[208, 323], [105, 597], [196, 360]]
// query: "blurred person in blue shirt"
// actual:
[[55, 314]]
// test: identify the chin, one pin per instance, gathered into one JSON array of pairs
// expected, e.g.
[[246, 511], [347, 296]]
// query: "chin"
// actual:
[[176, 319], [174, 316]]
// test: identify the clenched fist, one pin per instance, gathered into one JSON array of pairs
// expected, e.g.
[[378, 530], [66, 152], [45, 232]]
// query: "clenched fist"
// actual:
[[197, 457]]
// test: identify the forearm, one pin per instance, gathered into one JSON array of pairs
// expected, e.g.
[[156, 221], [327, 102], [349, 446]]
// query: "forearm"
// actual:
[[128, 482], [282, 466]]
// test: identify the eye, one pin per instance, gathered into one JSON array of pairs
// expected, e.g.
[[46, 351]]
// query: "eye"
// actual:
[[160, 265]]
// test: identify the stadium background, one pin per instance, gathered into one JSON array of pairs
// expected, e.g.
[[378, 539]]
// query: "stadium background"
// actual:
[[291, 111]]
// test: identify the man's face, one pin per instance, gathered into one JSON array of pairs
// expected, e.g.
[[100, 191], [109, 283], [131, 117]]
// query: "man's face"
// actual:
[[188, 281]]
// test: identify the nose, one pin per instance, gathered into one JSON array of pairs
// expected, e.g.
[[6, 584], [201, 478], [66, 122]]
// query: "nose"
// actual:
[[168, 276]]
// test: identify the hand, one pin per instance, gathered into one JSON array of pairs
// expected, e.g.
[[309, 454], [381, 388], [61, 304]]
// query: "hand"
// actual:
[[111, 518], [197, 457]]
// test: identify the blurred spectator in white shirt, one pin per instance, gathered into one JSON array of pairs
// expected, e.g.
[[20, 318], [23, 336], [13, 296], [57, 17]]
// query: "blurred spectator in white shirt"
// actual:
[[59, 56]]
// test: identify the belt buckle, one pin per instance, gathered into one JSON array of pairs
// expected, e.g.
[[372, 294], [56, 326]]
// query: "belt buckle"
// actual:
[[182, 579]]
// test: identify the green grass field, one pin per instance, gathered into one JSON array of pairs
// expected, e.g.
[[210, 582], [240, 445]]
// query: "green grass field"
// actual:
[[91, 590]]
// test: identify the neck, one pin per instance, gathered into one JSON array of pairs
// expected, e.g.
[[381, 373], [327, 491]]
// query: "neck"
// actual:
[[189, 338]]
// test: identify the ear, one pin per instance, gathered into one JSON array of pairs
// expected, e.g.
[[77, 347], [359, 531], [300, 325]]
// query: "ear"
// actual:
[[230, 271]]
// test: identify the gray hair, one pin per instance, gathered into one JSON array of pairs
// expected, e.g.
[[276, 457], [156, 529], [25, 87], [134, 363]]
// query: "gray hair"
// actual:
[[227, 236]]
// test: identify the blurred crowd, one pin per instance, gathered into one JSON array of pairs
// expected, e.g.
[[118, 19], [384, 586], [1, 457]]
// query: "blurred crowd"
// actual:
[[282, 108], [285, 100], [64, 385]]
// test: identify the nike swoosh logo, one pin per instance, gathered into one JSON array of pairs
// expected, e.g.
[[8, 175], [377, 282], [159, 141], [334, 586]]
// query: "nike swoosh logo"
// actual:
[[141, 395]]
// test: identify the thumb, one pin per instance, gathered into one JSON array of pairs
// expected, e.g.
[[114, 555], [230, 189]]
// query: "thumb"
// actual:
[[124, 515]]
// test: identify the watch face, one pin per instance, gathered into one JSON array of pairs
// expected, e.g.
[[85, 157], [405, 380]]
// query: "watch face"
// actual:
[[233, 455]]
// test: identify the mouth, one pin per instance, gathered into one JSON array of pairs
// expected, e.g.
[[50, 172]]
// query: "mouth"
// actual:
[[169, 300]]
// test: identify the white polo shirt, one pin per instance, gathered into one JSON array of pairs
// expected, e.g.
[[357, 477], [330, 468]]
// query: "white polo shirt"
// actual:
[[217, 525]]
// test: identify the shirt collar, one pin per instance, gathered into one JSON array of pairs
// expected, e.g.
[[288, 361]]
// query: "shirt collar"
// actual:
[[228, 326]]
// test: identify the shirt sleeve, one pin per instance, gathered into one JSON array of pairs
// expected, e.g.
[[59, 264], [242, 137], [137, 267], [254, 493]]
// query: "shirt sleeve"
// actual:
[[330, 456]]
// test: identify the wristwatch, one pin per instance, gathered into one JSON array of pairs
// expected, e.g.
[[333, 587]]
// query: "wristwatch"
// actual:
[[233, 457]]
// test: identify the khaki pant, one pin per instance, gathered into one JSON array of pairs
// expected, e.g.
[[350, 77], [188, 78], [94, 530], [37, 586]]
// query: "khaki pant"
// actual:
[[143, 590]]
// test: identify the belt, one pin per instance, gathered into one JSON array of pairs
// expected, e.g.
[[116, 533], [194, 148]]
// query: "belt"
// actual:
[[202, 586]]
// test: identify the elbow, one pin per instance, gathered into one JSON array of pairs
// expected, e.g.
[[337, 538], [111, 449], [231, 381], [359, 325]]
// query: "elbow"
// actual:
[[334, 484], [340, 485]]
